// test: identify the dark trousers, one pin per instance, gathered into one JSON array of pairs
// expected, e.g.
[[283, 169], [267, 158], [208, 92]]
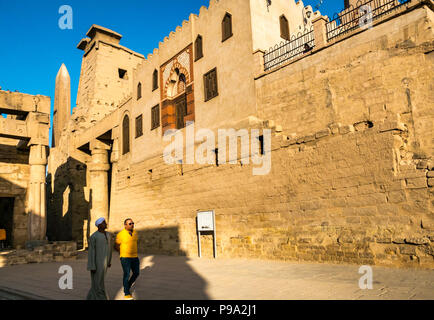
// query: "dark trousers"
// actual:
[[128, 265]]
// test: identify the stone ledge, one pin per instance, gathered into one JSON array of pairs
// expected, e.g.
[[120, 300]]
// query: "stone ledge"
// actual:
[[53, 252]]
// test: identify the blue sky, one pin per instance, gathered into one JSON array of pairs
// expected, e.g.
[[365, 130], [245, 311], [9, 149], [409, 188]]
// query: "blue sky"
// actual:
[[34, 47]]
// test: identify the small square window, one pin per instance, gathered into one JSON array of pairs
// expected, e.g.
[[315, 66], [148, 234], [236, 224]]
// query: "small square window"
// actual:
[[123, 74]]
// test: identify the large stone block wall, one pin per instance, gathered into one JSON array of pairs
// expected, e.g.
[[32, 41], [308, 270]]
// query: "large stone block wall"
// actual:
[[352, 167], [384, 70], [352, 162], [334, 198]]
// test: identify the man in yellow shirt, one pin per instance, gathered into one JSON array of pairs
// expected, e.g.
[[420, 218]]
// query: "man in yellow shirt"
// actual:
[[126, 244]]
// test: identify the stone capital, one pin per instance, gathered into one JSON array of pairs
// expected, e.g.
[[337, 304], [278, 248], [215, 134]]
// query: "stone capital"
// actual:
[[38, 155], [99, 161]]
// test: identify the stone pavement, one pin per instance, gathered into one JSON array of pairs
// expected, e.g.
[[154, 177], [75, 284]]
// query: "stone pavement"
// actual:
[[183, 278]]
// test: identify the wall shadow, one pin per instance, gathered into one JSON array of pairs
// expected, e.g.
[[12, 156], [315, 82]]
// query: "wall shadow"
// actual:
[[165, 272], [7, 220], [10, 154], [13, 218], [67, 207]]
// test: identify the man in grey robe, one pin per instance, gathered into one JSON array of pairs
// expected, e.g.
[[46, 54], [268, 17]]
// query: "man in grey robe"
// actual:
[[99, 259]]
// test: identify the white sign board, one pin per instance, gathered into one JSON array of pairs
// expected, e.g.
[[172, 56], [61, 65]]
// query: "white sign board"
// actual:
[[205, 221]]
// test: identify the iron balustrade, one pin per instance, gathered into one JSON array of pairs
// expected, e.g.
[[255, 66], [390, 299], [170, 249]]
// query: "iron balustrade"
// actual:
[[298, 45], [360, 16]]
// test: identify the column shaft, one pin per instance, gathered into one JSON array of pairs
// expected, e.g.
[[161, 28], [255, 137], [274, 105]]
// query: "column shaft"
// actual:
[[37, 206], [98, 168]]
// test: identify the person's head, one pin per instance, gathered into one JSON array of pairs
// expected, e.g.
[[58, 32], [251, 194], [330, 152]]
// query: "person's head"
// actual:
[[101, 224], [129, 224]]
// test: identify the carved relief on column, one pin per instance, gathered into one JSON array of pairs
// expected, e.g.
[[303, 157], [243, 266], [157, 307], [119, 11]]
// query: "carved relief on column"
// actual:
[[37, 199]]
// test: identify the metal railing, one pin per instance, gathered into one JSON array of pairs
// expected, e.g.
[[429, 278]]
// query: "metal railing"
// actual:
[[298, 45], [360, 16]]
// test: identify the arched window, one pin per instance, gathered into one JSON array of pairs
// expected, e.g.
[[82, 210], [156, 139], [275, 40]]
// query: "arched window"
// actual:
[[155, 80], [227, 27], [126, 135], [284, 27], [139, 91], [198, 47], [181, 83]]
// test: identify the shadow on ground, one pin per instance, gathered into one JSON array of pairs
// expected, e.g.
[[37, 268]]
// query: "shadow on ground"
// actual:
[[164, 269]]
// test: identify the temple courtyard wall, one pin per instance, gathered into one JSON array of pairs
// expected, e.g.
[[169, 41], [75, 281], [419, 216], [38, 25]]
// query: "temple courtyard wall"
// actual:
[[352, 172]]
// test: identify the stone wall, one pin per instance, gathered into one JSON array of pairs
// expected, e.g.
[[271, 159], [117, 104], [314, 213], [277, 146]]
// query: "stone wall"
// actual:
[[101, 88], [384, 70], [352, 156], [99, 93], [332, 198], [352, 167], [52, 252]]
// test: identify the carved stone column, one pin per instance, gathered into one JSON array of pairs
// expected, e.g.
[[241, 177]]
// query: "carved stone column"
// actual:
[[37, 199], [99, 192]]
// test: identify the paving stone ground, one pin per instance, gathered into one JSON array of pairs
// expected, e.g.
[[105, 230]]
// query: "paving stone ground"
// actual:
[[183, 278]]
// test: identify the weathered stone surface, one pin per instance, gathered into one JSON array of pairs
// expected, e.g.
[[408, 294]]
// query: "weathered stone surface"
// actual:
[[23, 156], [346, 129], [48, 253], [364, 178], [417, 240]]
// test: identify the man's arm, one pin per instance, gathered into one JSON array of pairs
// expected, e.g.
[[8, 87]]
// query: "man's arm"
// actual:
[[117, 244], [91, 265]]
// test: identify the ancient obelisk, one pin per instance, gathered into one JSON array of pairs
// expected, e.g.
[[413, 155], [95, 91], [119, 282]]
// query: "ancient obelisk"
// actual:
[[62, 103]]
